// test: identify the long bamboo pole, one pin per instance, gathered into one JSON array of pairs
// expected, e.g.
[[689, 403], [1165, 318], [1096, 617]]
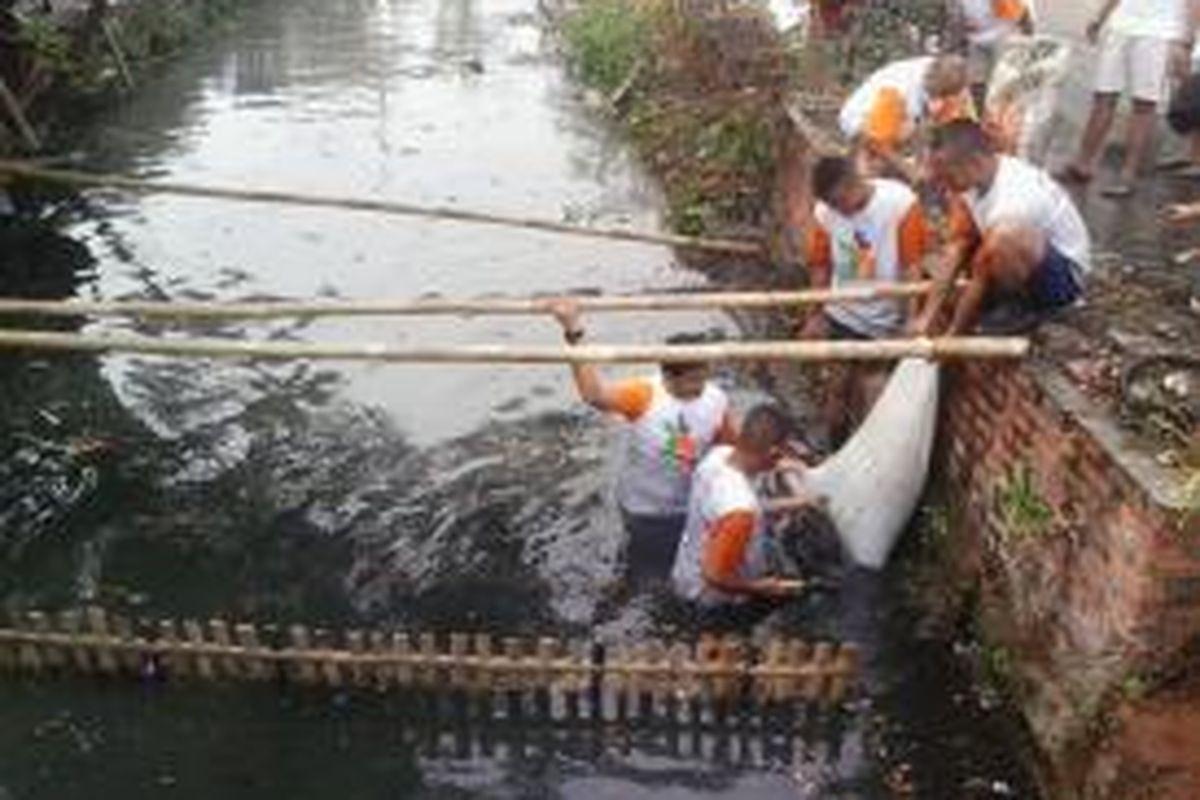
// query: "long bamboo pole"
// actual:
[[882, 350], [77, 178], [490, 306]]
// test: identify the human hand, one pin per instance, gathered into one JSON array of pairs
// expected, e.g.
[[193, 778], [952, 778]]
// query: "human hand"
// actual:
[[1181, 213], [782, 587], [566, 311], [815, 327]]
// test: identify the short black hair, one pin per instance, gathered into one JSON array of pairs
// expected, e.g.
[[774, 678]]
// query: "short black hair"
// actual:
[[830, 173], [962, 138], [672, 368], [766, 425]]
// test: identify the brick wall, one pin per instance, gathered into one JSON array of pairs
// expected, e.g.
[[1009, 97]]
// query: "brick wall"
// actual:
[[1090, 581]]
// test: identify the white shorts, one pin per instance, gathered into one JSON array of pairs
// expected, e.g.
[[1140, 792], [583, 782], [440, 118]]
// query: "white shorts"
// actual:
[[1134, 65]]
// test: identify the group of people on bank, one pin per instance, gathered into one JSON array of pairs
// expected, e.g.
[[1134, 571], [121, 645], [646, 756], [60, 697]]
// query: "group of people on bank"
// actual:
[[1013, 248]]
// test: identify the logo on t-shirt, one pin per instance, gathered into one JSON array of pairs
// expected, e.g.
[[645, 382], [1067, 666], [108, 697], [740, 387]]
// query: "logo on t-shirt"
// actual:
[[853, 257], [680, 447]]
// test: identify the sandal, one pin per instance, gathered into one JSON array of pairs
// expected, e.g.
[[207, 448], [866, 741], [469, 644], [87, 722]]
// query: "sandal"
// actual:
[[1174, 164], [1118, 191], [1073, 173]]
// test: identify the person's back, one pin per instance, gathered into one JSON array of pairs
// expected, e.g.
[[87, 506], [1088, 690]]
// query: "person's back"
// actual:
[[888, 102], [720, 492], [721, 565]]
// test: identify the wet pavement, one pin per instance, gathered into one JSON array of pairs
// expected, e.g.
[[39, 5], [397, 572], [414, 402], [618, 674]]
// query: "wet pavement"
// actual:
[[441, 498]]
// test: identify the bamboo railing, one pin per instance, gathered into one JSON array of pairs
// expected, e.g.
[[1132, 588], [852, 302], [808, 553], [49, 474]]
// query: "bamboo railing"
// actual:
[[745, 247], [434, 306], [817, 351], [713, 670]]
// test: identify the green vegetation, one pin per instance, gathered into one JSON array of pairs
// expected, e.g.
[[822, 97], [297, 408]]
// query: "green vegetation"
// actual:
[[606, 39], [1024, 512], [712, 144]]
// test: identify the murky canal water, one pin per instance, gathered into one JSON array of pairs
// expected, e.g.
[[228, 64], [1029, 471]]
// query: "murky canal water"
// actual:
[[465, 498]]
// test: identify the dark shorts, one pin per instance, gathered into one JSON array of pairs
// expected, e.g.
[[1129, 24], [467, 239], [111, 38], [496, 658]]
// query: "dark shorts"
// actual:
[[1183, 115], [844, 333], [650, 549], [1056, 282]]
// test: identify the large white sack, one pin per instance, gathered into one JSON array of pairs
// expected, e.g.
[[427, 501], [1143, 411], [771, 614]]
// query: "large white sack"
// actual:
[[873, 484]]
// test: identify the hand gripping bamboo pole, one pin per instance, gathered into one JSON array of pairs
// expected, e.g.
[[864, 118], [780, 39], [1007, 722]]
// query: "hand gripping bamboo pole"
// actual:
[[432, 306], [810, 351], [77, 178]]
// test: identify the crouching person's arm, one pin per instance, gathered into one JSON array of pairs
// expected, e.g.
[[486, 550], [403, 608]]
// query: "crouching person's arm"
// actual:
[[725, 554]]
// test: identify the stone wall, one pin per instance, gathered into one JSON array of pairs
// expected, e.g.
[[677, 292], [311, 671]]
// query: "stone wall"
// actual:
[[1087, 561]]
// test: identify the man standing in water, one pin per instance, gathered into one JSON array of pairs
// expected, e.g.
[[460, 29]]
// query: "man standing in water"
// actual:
[[674, 418], [722, 566]]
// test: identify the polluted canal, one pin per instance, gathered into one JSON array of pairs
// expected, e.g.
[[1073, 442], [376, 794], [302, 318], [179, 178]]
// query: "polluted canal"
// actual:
[[428, 498]]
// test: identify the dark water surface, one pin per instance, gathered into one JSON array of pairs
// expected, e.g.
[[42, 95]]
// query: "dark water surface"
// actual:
[[445, 498]]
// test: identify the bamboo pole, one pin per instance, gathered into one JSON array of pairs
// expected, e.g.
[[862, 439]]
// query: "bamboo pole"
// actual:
[[814, 351], [437, 306], [77, 178]]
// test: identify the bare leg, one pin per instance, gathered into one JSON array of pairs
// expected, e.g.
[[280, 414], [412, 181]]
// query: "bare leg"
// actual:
[[1139, 140], [1095, 134], [1006, 260]]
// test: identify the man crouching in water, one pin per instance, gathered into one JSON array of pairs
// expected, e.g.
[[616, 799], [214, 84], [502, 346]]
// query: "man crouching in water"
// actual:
[[722, 565], [675, 417]]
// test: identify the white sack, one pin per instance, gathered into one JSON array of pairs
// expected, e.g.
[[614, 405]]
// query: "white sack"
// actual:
[[873, 484]]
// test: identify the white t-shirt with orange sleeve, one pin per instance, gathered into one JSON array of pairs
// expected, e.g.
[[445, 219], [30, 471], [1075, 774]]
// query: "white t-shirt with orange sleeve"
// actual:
[[991, 21], [726, 529], [887, 106], [667, 438], [879, 244]]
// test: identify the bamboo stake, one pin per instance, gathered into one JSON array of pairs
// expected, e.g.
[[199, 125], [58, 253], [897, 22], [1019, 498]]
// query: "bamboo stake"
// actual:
[[13, 106], [820, 351], [118, 53], [77, 178], [484, 306]]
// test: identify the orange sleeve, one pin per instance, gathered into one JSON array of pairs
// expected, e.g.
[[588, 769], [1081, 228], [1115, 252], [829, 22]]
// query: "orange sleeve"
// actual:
[[887, 119], [914, 239], [631, 399], [727, 542], [818, 249], [962, 226], [1009, 10]]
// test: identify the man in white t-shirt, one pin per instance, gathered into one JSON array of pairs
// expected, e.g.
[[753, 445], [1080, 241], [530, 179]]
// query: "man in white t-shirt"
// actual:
[[722, 566], [864, 232], [1017, 231], [1143, 43], [674, 419], [887, 108]]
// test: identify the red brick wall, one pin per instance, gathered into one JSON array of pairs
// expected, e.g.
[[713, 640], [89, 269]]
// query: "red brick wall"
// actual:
[[1104, 589]]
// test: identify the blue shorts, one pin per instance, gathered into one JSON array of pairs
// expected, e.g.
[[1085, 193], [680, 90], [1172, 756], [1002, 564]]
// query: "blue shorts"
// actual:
[[1056, 283]]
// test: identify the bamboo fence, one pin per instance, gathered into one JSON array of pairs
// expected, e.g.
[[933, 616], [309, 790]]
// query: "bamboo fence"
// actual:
[[435, 306], [744, 247], [975, 347], [713, 670]]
